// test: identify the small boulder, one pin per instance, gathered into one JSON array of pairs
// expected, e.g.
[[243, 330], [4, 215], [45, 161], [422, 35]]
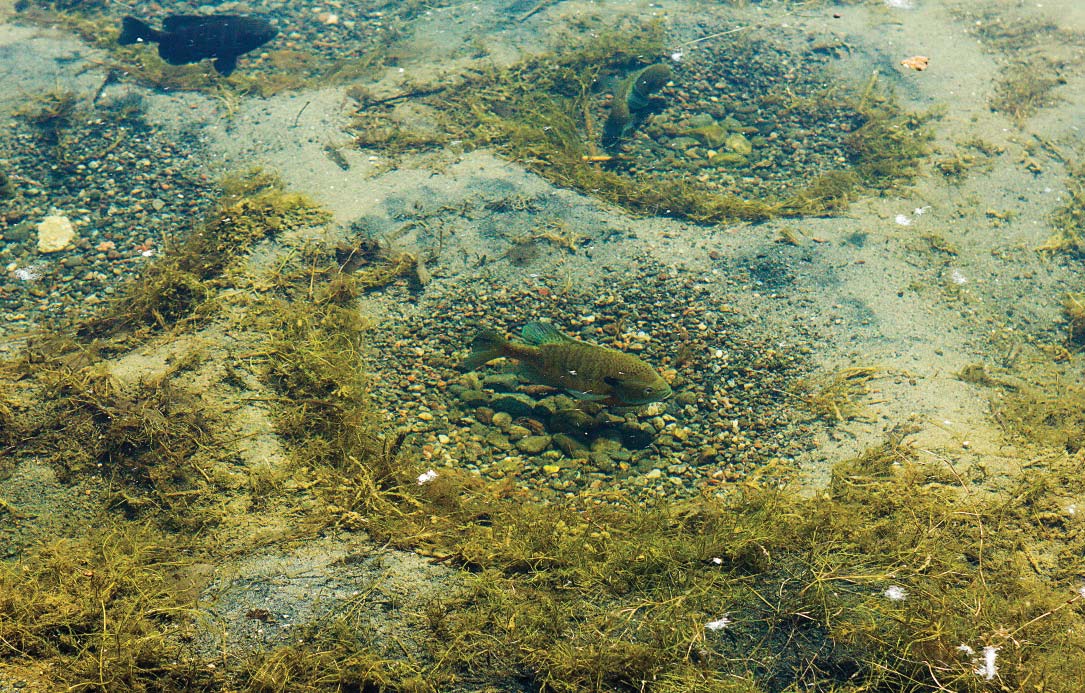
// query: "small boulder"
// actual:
[[515, 405], [55, 234]]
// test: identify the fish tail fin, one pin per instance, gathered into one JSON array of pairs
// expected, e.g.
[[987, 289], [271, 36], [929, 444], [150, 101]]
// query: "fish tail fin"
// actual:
[[487, 345], [134, 30]]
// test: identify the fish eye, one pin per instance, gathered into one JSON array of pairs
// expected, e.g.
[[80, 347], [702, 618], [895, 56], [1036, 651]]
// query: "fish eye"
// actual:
[[648, 390]]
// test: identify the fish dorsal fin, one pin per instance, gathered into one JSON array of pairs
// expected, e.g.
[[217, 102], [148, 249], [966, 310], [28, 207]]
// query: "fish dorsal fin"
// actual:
[[539, 333], [179, 22]]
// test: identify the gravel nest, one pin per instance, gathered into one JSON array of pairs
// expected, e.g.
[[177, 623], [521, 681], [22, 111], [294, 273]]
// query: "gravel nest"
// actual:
[[776, 96], [731, 413], [126, 187]]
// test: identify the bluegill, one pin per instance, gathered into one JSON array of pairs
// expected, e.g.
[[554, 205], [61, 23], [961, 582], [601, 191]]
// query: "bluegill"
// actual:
[[549, 357], [191, 38]]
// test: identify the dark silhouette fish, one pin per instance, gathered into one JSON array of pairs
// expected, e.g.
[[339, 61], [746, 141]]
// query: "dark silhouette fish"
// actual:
[[188, 39]]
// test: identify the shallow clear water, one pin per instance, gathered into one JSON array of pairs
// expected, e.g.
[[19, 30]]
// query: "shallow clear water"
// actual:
[[774, 235]]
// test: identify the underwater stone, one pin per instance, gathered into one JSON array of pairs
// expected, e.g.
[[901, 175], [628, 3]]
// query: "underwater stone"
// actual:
[[550, 406], [484, 415], [500, 382], [498, 440], [636, 436], [570, 446], [713, 135], [609, 446], [682, 143], [602, 461], [501, 419], [513, 404], [571, 421], [518, 432], [19, 232], [474, 398], [738, 144], [55, 234], [533, 445], [701, 120], [730, 159]]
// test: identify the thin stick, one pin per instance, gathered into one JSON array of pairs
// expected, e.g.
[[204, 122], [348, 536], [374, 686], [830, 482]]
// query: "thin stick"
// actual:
[[295, 124]]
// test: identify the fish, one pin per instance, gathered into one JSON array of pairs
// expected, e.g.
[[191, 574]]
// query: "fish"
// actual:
[[188, 39], [550, 357], [632, 102]]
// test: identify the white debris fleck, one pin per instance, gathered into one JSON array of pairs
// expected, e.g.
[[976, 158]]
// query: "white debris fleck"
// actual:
[[900, 4], [28, 274], [719, 623], [895, 593], [987, 669], [957, 277], [426, 477], [719, 561], [904, 220], [676, 56], [1071, 509], [1081, 591], [966, 649], [920, 211]]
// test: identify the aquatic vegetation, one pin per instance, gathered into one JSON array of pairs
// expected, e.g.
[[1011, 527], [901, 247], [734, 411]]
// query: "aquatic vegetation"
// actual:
[[1068, 220], [154, 439], [968, 156], [1027, 87], [835, 396], [1073, 305], [101, 612], [177, 285], [875, 582], [334, 656], [373, 264], [1032, 57], [50, 113]]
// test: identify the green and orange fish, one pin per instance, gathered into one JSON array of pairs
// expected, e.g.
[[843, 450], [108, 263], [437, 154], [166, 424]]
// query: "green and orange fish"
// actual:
[[589, 371]]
